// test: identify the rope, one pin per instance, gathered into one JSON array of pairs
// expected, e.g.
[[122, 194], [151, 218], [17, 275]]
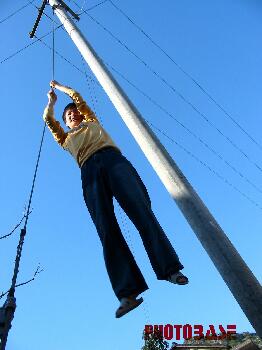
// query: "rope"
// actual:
[[53, 46]]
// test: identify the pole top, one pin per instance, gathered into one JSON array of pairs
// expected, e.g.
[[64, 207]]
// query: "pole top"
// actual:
[[60, 3], [54, 4]]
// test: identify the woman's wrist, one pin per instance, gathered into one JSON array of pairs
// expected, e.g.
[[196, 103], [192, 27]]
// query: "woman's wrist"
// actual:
[[50, 104]]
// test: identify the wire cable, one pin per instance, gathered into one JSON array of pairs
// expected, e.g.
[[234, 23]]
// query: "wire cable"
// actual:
[[237, 124], [173, 89], [83, 5], [17, 11], [205, 165], [163, 110], [39, 39], [218, 155], [88, 78], [189, 131], [143, 93], [27, 46], [61, 56], [90, 8]]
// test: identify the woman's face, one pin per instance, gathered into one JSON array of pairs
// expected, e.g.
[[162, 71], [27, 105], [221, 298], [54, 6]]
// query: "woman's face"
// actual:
[[73, 117]]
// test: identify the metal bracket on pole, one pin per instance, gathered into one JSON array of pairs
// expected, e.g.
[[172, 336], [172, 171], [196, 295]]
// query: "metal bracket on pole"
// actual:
[[41, 11], [67, 8]]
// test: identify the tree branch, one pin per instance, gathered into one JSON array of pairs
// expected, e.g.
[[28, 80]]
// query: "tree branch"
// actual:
[[16, 226], [37, 272]]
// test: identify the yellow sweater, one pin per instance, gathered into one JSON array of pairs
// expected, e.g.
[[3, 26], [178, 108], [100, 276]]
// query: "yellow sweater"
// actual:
[[83, 140]]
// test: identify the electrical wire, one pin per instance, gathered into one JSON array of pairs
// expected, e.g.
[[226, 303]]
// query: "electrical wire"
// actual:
[[173, 117], [90, 8], [206, 165], [189, 131], [166, 112], [61, 56], [237, 124], [88, 79], [27, 46], [169, 114], [43, 36], [40, 39], [17, 11], [132, 84], [173, 89]]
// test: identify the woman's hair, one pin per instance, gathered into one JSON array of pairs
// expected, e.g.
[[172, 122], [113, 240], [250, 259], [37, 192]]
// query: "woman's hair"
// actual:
[[69, 106]]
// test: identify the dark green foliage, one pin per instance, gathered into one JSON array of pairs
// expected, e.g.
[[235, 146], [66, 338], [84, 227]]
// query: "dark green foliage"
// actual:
[[154, 341]]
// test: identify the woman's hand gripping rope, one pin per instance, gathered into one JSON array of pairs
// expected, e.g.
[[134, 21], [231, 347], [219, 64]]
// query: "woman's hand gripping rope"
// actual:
[[52, 97]]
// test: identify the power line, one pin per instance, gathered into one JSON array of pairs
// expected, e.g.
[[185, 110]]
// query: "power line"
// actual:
[[84, 2], [187, 74], [93, 7], [38, 39], [90, 8], [179, 94], [166, 112], [88, 78], [61, 56], [17, 11], [186, 128], [152, 101], [206, 165], [27, 46]]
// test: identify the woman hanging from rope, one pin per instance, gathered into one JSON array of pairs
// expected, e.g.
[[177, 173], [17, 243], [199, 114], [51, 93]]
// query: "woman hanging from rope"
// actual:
[[105, 174]]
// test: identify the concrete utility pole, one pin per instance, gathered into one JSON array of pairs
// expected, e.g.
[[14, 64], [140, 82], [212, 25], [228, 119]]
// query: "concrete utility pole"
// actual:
[[236, 274]]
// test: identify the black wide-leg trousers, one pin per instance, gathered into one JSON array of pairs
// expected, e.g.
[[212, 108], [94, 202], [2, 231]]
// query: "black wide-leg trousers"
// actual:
[[107, 174]]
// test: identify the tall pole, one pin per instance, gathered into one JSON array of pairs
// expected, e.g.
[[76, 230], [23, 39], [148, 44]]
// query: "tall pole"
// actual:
[[234, 271]]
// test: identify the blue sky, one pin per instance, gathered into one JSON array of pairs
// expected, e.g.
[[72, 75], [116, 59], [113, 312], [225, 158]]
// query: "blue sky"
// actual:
[[71, 304]]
